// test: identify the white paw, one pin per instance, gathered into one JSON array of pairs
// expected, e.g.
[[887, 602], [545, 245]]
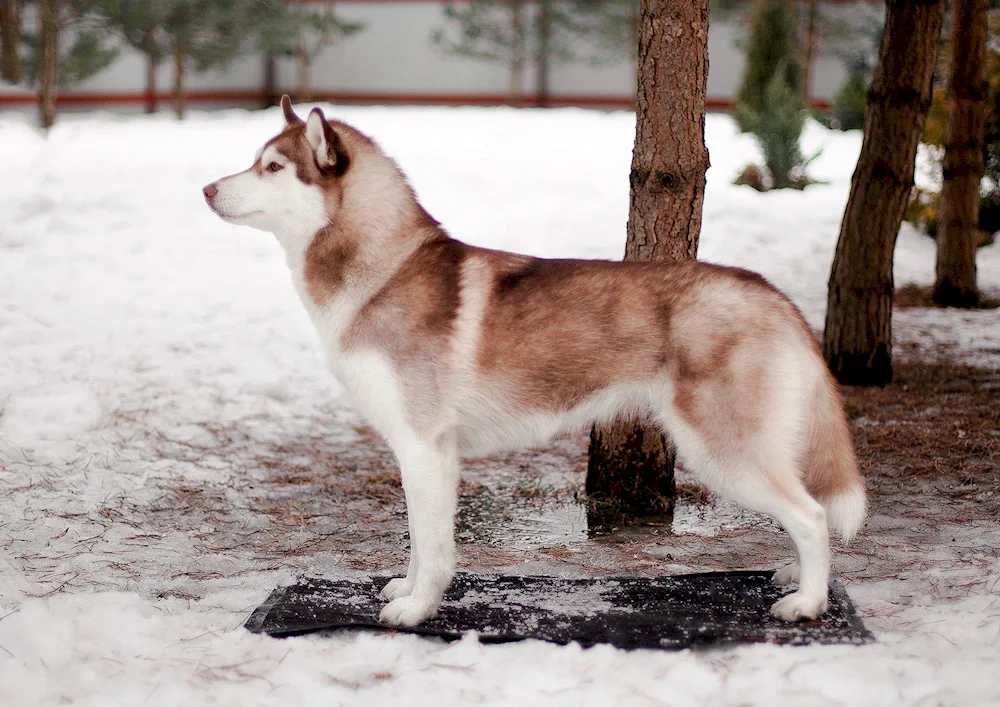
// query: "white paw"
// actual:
[[797, 606], [407, 611], [788, 574], [397, 588]]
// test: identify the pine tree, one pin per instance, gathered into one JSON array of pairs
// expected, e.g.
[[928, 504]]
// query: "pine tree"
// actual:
[[769, 102], [811, 20], [777, 126], [605, 31], [303, 30], [10, 39], [142, 24], [849, 103], [209, 34], [275, 37], [601, 31], [630, 471], [857, 338], [853, 39], [772, 49], [488, 30], [958, 213], [66, 46], [549, 32]]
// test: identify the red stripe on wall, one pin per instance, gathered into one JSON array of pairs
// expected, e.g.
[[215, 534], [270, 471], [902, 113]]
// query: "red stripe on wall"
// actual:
[[250, 97]]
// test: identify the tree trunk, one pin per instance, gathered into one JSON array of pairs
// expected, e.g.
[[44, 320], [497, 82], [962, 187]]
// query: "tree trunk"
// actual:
[[631, 468], [48, 31], [270, 81], [542, 60], [516, 52], [10, 38], [857, 339], [808, 52], [151, 66], [958, 212], [302, 93], [180, 99]]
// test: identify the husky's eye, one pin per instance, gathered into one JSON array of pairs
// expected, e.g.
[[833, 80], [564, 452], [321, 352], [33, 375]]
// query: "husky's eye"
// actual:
[[275, 167]]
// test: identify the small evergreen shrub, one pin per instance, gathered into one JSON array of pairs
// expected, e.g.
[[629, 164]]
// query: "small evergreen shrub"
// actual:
[[772, 51], [768, 103], [777, 126], [850, 101]]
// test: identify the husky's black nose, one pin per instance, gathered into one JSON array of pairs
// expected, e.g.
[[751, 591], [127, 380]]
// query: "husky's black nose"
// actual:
[[210, 191]]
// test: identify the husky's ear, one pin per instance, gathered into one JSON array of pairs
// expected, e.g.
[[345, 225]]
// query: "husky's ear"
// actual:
[[286, 108], [327, 146]]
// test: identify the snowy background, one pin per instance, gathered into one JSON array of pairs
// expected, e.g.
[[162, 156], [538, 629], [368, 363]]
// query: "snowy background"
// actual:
[[171, 448]]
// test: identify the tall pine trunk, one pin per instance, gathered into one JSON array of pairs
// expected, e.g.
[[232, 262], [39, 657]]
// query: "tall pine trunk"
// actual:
[[516, 52], [808, 52], [857, 339], [543, 59], [180, 97], [10, 38], [303, 93], [270, 81], [151, 66], [631, 468], [958, 215], [48, 31]]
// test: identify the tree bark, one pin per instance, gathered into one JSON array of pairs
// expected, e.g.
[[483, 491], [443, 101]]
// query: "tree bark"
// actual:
[[542, 60], [808, 52], [958, 210], [10, 38], [48, 31], [857, 339], [151, 65], [631, 468], [180, 99]]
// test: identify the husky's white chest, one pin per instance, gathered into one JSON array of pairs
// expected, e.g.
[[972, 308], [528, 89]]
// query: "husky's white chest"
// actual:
[[332, 321], [367, 376]]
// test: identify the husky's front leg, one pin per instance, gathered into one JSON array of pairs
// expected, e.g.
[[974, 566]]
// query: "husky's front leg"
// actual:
[[403, 586], [430, 482]]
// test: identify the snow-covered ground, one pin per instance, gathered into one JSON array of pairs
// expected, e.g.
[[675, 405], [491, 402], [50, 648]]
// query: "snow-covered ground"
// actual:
[[163, 404]]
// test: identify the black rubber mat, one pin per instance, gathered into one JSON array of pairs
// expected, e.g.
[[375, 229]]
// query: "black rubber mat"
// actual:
[[715, 608]]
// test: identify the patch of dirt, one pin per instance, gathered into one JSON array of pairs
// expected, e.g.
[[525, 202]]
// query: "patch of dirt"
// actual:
[[911, 295], [937, 423]]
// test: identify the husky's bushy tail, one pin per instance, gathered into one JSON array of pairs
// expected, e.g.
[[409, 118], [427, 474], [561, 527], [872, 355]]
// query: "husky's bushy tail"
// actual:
[[831, 467]]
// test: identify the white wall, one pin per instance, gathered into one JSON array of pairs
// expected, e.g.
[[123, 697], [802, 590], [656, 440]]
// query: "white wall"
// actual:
[[394, 55]]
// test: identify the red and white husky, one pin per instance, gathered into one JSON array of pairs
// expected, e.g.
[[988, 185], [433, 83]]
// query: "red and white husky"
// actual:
[[449, 350]]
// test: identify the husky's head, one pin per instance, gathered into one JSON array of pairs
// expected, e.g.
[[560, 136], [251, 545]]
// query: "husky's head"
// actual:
[[292, 186]]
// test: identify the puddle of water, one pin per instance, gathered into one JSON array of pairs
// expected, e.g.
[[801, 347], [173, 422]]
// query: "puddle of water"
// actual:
[[536, 499]]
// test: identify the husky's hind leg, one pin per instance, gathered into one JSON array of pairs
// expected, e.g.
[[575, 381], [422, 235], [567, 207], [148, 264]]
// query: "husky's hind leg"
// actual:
[[787, 575], [782, 496], [762, 477], [778, 492]]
